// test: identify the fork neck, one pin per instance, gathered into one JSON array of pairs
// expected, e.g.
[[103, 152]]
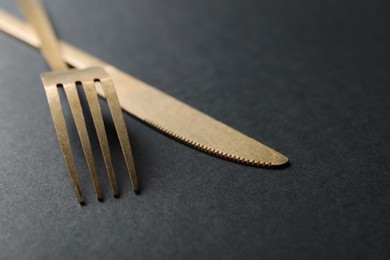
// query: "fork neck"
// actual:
[[50, 47], [53, 58]]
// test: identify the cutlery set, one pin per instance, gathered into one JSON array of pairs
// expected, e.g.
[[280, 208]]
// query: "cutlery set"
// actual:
[[121, 91]]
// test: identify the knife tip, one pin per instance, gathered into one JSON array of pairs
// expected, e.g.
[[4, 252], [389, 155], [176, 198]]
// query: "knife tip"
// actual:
[[281, 161]]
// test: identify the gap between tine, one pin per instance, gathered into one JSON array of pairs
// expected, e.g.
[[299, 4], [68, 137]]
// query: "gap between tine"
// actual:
[[120, 126], [94, 107], [63, 137], [77, 112]]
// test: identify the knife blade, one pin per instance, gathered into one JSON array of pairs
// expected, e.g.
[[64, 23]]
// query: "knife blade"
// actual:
[[159, 110]]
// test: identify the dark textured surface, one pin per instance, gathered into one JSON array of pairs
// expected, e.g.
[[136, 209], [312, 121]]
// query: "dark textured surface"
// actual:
[[308, 78]]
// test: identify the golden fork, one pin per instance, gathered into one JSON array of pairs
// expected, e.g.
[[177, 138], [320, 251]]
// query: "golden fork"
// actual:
[[90, 79]]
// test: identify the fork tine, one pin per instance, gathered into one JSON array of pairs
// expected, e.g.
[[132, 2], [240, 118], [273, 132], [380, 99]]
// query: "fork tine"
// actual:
[[77, 112], [63, 137], [116, 113], [94, 107]]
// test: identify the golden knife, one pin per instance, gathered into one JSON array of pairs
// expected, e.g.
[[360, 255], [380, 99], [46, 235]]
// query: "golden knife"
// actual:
[[163, 112]]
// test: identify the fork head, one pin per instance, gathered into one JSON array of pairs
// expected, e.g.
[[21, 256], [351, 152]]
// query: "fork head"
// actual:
[[90, 79]]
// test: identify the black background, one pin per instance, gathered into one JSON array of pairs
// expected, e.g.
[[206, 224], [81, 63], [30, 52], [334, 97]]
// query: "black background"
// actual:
[[308, 78]]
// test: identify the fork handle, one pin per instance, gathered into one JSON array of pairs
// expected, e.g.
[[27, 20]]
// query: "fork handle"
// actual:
[[38, 18]]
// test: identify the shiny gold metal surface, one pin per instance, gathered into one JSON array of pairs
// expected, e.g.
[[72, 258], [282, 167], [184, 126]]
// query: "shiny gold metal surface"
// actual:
[[162, 111], [89, 79]]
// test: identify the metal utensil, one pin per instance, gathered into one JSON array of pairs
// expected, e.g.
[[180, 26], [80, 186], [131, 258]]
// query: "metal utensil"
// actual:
[[90, 79], [160, 110]]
